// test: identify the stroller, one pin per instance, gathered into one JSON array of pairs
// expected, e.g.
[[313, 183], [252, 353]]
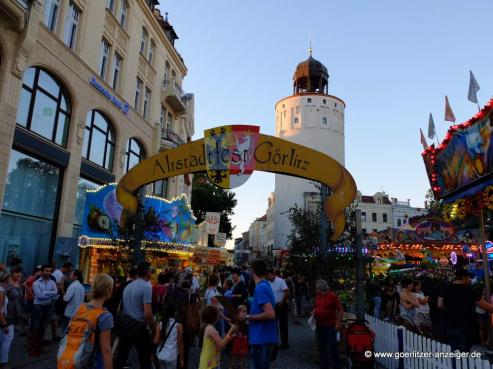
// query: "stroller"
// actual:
[[359, 338]]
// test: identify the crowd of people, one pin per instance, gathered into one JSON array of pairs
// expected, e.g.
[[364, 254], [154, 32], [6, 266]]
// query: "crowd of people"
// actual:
[[450, 309], [160, 317]]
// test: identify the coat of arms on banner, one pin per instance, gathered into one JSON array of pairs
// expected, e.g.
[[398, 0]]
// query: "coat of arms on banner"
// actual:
[[229, 154]]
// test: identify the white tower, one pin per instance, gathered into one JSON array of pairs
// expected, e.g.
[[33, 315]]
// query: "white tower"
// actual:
[[312, 118]]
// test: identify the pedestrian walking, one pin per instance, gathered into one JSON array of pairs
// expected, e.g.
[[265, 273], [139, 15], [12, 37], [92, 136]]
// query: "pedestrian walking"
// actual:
[[328, 313], [73, 298], [262, 330], [6, 325], [240, 291], [136, 316], [77, 350], [458, 300], [169, 340], [281, 294], [45, 291], [210, 356]]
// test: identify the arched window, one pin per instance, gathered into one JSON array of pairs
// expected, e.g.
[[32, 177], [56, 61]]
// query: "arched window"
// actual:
[[152, 51], [134, 154], [44, 107], [99, 140]]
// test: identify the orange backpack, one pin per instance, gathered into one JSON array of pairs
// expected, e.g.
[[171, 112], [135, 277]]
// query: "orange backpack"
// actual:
[[76, 350]]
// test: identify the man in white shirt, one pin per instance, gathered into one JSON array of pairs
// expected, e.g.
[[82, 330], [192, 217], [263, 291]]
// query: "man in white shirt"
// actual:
[[281, 294], [195, 286], [74, 298]]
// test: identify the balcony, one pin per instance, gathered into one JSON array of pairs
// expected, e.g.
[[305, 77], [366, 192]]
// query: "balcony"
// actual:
[[173, 95], [169, 139]]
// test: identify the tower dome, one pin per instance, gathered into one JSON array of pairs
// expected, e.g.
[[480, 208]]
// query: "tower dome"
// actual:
[[311, 76]]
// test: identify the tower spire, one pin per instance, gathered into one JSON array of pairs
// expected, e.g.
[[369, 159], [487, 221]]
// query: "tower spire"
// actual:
[[310, 50]]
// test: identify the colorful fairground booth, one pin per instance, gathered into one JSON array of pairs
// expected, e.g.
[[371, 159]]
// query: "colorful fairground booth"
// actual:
[[460, 171], [170, 236]]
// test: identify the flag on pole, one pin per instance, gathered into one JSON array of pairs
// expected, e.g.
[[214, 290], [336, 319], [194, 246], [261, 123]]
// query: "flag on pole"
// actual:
[[431, 128], [449, 114], [423, 140], [473, 88]]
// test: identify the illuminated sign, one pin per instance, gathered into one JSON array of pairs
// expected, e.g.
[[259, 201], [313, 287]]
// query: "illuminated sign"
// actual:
[[123, 106]]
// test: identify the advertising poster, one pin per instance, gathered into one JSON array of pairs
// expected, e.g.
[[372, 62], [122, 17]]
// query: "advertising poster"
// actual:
[[212, 222]]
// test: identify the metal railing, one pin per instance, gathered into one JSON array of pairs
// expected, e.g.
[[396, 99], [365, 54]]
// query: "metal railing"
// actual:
[[171, 136], [175, 87]]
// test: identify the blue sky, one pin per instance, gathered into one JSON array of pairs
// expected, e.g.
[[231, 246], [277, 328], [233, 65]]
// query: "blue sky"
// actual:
[[392, 62]]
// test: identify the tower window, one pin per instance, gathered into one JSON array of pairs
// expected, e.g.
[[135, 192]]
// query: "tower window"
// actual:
[[324, 101], [335, 105], [324, 120], [309, 101]]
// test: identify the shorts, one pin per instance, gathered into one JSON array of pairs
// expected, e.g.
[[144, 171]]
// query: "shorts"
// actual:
[[168, 364]]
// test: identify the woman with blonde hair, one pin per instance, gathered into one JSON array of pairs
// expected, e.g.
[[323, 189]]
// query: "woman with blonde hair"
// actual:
[[101, 291]]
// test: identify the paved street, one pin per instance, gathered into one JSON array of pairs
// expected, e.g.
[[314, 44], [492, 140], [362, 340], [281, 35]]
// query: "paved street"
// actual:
[[301, 355]]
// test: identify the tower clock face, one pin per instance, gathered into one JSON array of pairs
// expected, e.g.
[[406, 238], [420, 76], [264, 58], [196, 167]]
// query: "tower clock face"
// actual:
[[104, 222]]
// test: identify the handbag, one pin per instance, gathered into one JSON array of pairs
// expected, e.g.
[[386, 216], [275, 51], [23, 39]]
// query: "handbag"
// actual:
[[312, 322]]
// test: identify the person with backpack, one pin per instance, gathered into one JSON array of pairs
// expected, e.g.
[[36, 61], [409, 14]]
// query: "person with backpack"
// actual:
[[169, 340], [87, 343], [136, 316]]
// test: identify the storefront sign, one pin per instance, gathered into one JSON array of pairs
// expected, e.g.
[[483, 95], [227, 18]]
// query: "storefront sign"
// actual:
[[123, 106], [264, 153], [220, 239], [213, 257], [212, 222]]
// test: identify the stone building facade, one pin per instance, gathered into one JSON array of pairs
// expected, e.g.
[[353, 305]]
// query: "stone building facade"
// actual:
[[87, 90]]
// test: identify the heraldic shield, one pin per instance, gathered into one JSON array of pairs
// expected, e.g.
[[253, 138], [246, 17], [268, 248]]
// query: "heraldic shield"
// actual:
[[229, 154]]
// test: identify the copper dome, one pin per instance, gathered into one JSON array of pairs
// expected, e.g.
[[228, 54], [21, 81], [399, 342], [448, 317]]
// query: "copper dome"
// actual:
[[311, 76]]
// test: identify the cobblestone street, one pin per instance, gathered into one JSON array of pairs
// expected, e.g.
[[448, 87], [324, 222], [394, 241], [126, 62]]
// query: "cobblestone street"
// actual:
[[301, 355]]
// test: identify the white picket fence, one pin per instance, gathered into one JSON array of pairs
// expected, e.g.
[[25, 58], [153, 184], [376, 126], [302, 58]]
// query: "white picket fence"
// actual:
[[390, 338]]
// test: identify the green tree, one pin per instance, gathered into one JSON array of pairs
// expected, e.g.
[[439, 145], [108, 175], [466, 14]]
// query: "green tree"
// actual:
[[434, 206], [208, 197]]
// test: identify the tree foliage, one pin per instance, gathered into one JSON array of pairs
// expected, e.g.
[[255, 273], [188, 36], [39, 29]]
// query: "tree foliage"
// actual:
[[208, 197], [333, 261]]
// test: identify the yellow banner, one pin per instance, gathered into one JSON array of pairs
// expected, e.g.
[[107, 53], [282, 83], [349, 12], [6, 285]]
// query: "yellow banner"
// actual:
[[271, 154]]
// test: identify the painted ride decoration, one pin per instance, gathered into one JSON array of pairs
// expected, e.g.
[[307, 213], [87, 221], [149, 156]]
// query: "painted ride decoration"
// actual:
[[229, 154]]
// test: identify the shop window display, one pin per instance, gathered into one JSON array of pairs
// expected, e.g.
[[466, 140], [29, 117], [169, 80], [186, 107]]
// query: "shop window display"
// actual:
[[29, 209]]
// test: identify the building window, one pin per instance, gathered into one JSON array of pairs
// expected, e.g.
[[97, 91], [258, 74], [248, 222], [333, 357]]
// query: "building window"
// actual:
[[324, 120], [162, 116], [110, 4], [169, 123], [28, 217], [152, 51], [99, 140], [373, 217], [309, 101], [363, 230], [363, 216], [143, 41], [385, 217], [80, 202], [161, 188], [123, 13], [138, 92], [335, 105], [134, 154], [399, 222], [51, 13], [117, 63], [296, 120], [147, 101], [324, 101], [71, 25], [44, 107], [103, 62]]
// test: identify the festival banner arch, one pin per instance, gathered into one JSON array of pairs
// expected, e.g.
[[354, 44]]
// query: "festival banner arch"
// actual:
[[229, 154]]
